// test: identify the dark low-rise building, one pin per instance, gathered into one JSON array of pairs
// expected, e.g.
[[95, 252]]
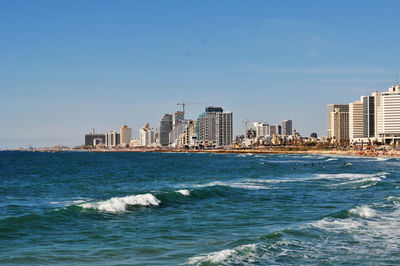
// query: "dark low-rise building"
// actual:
[[91, 137]]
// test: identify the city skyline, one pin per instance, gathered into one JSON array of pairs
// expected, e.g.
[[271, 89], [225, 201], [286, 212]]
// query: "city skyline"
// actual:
[[67, 67]]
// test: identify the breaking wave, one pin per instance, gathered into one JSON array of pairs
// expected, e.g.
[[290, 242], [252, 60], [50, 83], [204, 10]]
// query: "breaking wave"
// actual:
[[244, 185], [344, 178], [226, 256], [320, 241], [363, 211], [184, 192], [120, 204], [331, 159]]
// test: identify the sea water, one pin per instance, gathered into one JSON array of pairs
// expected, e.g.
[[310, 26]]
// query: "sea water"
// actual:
[[201, 209]]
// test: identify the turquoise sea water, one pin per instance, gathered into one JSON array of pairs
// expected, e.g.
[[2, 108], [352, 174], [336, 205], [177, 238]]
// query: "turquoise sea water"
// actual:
[[203, 209]]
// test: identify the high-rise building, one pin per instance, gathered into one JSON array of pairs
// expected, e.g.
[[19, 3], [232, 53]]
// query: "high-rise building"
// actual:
[[165, 128], [177, 116], [331, 108], [112, 139], [368, 116], [146, 136], [287, 128], [388, 114], [339, 125], [356, 120], [90, 137], [206, 122], [275, 130], [126, 135], [224, 128], [215, 127], [261, 128]]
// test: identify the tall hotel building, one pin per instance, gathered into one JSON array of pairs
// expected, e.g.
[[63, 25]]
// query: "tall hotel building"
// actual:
[[126, 135], [165, 128], [339, 127], [368, 116], [356, 121], [331, 108], [387, 106], [215, 127]]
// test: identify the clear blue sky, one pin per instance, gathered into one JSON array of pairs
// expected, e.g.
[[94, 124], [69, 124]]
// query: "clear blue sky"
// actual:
[[69, 66]]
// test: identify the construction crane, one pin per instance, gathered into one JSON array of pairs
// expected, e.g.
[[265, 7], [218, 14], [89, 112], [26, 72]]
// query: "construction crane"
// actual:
[[183, 106], [246, 121]]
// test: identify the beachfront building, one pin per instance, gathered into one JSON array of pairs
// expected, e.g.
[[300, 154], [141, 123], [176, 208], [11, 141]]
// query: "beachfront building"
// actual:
[[215, 127], [261, 129], [356, 121], [339, 126], [112, 139], [287, 128], [92, 136], [275, 130], [188, 139], [135, 143], [165, 128], [224, 129], [331, 108], [176, 131], [126, 135], [369, 116], [146, 136], [388, 114], [206, 126]]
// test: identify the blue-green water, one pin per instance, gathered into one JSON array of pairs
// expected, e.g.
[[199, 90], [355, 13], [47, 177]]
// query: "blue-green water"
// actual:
[[159, 209]]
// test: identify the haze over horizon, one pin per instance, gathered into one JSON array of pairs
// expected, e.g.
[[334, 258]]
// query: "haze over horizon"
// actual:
[[69, 66]]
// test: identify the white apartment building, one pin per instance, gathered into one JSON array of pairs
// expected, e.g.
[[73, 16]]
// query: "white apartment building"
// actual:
[[146, 136], [388, 114], [261, 128], [356, 121]]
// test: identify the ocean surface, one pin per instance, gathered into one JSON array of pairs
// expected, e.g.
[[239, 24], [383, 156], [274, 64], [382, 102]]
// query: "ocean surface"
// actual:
[[202, 209]]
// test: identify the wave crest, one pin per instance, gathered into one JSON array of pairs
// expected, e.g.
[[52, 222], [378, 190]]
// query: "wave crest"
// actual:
[[363, 211], [232, 256], [120, 204], [184, 192]]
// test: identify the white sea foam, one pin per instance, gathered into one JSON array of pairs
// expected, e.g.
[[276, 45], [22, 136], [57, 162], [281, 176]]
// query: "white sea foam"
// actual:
[[119, 204], [69, 202], [226, 255], [245, 185], [339, 177], [363, 211], [214, 257], [184, 192], [331, 159], [336, 225]]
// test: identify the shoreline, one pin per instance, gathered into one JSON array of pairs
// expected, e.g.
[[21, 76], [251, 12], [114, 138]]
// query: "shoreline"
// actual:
[[366, 153]]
